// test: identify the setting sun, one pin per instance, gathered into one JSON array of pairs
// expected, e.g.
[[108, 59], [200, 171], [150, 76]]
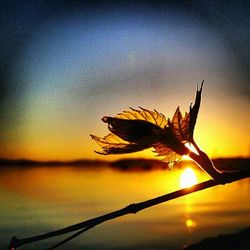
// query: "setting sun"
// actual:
[[188, 178]]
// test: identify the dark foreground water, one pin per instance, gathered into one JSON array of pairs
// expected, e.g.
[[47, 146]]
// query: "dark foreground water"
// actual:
[[41, 199]]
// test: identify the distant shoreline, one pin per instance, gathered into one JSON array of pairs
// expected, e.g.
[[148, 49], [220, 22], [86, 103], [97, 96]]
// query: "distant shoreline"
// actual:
[[232, 164], [27, 162]]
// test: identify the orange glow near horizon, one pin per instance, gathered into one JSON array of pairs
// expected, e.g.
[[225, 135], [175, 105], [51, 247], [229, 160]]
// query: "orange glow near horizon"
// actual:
[[62, 148], [214, 135]]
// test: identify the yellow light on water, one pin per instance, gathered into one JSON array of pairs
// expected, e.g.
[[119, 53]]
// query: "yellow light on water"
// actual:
[[188, 178], [190, 223]]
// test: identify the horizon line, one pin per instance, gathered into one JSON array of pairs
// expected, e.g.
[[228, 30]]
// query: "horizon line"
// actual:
[[79, 160]]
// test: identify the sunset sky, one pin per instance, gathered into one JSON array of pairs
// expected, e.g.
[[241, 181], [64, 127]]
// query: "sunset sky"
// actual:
[[66, 64]]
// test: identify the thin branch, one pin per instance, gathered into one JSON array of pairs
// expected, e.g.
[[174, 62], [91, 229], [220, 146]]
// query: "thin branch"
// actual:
[[131, 209], [69, 238]]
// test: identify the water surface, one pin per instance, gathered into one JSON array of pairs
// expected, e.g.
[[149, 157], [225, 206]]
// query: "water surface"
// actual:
[[37, 200]]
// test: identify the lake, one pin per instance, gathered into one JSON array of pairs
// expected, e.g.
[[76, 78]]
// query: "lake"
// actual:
[[40, 199]]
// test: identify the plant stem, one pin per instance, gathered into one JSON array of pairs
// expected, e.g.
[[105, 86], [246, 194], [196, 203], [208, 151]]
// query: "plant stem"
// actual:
[[132, 208], [206, 164]]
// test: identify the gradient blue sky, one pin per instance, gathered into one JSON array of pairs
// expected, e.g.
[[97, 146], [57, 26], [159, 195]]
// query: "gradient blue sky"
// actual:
[[65, 64]]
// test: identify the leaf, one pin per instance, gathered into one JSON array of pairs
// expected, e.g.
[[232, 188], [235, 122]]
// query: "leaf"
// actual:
[[194, 111], [183, 127], [180, 125], [169, 155], [144, 114], [135, 130], [112, 144]]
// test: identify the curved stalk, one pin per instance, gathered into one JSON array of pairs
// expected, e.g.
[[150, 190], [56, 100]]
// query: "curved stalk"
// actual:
[[205, 163]]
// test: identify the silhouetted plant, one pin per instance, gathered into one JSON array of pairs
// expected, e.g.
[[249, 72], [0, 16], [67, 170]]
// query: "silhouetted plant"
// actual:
[[135, 130]]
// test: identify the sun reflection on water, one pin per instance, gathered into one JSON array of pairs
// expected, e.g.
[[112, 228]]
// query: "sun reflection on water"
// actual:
[[190, 223], [188, 178]]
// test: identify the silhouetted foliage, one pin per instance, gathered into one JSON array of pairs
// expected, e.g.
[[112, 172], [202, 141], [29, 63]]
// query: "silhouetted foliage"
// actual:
[[135, 130]]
